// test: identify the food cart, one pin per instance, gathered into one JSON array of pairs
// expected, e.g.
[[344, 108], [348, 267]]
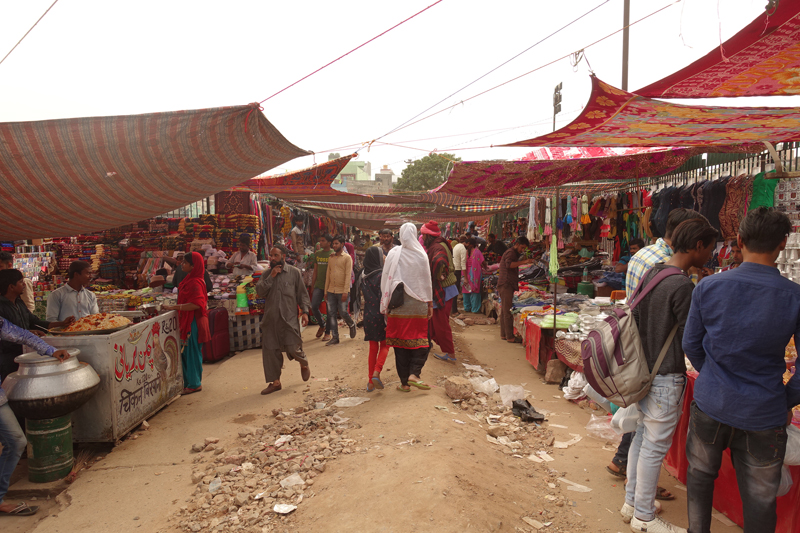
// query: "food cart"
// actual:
[[140, 372]]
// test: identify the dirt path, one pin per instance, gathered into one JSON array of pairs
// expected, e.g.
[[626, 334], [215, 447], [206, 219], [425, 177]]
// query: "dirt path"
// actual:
[[399, 462]]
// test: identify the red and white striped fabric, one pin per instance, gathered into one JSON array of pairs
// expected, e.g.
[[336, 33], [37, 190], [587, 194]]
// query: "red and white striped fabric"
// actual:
[[72, 176]]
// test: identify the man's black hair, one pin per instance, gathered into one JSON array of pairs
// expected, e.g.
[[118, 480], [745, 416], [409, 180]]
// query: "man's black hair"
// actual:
[[637, 242], [385, 231], [339, 238], [6, 257], [523, 240], [327, 237], [689, 232], [8, 277], [763, 230]]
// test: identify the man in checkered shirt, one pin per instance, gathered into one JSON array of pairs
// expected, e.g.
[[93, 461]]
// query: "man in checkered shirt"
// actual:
[[658, 252]]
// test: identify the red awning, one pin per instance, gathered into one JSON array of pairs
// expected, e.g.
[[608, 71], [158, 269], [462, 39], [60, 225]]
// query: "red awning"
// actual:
[[73, 176], [616, 118], [761, 60], [314, 180]]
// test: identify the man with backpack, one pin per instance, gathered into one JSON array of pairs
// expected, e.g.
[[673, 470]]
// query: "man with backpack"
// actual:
[[740, 401], [642, 261], [660, 316]]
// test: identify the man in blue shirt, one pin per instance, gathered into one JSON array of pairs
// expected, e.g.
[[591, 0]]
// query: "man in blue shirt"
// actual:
[[740, 401]]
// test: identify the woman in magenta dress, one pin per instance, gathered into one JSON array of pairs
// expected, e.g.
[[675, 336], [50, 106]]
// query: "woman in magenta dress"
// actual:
[[471, 279]]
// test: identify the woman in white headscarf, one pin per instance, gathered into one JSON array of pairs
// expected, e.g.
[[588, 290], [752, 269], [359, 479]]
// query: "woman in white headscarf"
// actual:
[[407, 325]]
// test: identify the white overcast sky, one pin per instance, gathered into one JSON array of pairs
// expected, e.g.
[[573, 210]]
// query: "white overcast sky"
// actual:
[[101, 57]]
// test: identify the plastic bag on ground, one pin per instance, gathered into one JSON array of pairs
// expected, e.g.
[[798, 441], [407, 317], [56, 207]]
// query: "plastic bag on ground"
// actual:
[[525, 412], [600, 428], [792, 446], [599, 400], [509, 393], [291, 481], [350, 402], [626, 419], [486, 386], [574, 388]]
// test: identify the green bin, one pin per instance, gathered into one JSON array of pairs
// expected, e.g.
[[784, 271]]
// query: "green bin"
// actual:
[[49, 448]]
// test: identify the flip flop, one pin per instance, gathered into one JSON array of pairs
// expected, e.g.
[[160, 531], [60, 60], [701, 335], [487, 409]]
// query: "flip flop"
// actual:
[[446, 358], [21, 510], [419, 384], [377, 382], [664, 494], [370, 387], [401, 389]]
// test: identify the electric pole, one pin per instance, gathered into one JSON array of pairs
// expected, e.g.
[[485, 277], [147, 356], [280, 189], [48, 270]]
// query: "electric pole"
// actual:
[[556, 103], [626, 21]]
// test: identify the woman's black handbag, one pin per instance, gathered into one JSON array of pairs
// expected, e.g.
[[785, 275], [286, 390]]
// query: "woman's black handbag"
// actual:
[[398, 296]]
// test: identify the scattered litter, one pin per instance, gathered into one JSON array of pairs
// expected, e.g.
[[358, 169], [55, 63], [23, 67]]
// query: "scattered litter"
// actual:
[[411, 442], [557, 426], [533, 523], [486, 386], [475, 368], [458, 421], [260, 495], [576, 487], [459, 322], [535, 458], [292, 480], [544, 455], [564, 445], [319, 405], [559, 397], [214, 486], [681, 487], [350, 402], [337, 419], [722, 518], [441, 408], [321, 379], [609, 449], [474, 418], [550, 498], [283, 440], [600, 428], [505, 441], [284, 508], [551, 485]]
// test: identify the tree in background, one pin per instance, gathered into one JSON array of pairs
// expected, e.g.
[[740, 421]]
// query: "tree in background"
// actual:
[[426, 173], [334, 155]]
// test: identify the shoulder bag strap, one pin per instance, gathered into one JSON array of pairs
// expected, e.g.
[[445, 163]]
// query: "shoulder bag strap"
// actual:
[[663, 352], [639, 293]]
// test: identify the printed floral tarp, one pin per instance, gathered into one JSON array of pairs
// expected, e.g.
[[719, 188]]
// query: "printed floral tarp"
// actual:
[[312, 180], [614, 117], [761, 60]]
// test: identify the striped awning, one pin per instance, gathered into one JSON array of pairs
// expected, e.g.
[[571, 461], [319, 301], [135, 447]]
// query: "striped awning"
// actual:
[[73, 176]]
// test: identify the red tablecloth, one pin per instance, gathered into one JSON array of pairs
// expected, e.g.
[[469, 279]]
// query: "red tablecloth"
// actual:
[[726, 490]]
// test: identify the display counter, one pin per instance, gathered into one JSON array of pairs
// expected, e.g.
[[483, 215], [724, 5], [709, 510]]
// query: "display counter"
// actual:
[[140, 372], [726, 489]]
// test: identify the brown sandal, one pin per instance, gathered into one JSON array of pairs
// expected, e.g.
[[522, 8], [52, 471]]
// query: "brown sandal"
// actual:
[[305, 372], [187, 390], [271, 388]]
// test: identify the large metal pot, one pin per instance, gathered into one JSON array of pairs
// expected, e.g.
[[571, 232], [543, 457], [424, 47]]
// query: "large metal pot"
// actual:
[[43, 387]]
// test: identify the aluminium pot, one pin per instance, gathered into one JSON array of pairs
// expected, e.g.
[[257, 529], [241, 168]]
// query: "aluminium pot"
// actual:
[[44, 387]]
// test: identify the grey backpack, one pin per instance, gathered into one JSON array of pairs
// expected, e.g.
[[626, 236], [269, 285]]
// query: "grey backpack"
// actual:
[[613, 357]]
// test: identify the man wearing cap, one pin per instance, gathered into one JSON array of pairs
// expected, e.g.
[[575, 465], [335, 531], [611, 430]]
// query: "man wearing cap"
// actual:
[[443, 278]]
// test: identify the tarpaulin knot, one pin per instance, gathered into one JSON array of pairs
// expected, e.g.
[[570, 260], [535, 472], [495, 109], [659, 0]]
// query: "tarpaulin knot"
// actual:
[[253, 106]]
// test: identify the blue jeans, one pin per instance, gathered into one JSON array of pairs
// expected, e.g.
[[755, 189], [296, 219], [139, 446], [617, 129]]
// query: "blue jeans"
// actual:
[[757, 457], [337, 308], [651, 442], [316, 299], [13, 440]]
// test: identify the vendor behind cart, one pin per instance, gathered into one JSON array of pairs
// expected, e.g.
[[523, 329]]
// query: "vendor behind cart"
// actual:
[[244, 261], [73, 299]]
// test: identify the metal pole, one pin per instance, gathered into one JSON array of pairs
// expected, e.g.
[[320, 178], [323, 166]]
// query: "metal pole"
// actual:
[[626, 20], [555, 278]]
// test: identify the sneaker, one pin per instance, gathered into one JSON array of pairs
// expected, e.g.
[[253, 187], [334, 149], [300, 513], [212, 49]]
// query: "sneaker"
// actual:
[[656, 525], [627, 513], [353, 331]]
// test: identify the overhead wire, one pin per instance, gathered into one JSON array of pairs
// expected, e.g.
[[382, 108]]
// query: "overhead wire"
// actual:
[[531, 71], [495, 68], [351, 51], [27, 32]]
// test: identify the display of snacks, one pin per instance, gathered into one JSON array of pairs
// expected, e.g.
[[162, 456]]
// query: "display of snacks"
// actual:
[[99, 321]]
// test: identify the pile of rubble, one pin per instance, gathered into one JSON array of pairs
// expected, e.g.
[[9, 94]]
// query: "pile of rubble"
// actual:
[[251, 484]]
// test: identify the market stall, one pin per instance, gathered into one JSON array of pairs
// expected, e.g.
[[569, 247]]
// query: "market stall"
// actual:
[[140, 372]]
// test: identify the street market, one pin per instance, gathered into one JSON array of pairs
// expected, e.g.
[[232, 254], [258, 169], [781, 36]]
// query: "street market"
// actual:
[[589, 327]]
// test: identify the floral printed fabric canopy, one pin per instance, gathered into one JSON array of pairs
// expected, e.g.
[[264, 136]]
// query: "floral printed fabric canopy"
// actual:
[[761, 60], [309, 181], [505, 178], [72, 176], [618, 118]]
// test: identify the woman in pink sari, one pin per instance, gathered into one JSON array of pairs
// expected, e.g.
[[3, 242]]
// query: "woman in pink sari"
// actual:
[[471, 278]]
